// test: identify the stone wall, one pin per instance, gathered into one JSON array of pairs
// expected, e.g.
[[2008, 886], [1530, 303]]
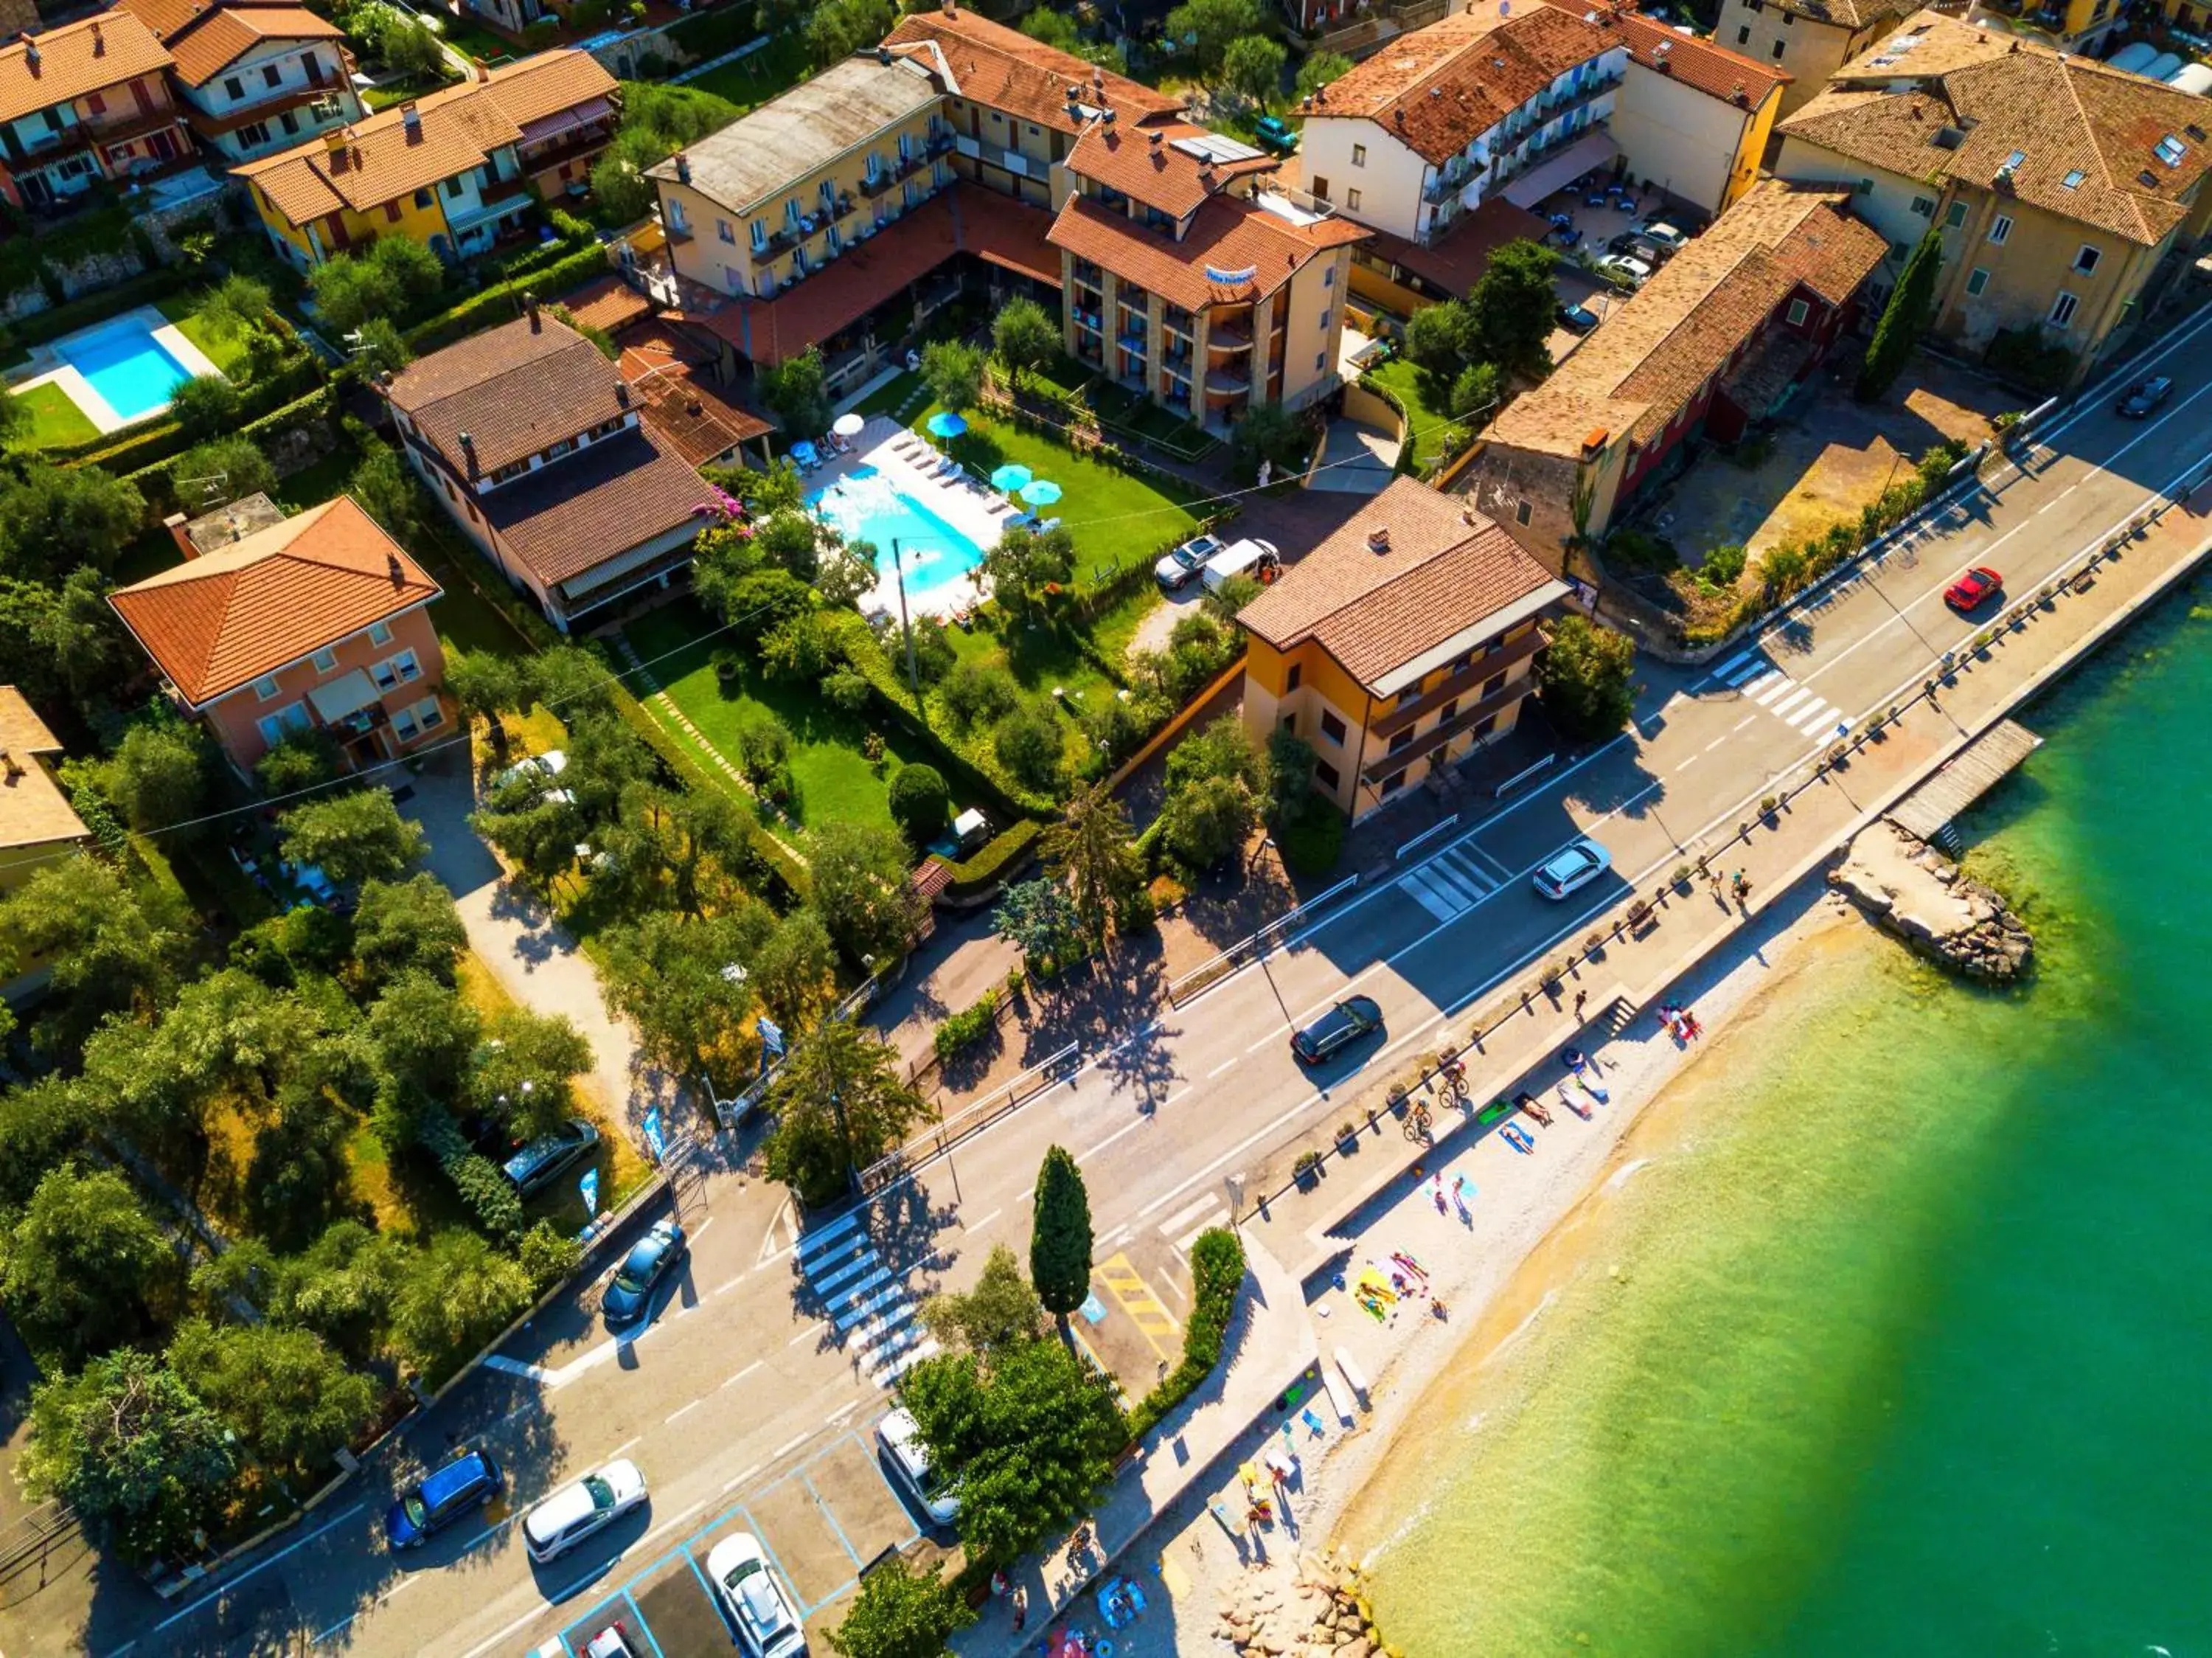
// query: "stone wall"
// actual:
[[1912, 890], [89, 272]]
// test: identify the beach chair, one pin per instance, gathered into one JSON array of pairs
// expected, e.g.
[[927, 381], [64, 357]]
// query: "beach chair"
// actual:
[[1312, 1422]]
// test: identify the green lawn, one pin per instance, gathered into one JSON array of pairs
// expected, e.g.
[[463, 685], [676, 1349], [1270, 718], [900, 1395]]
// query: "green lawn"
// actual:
[[835, 780], [777, 67], [890, 397], [55, 418], [463, 618], [1399, 376], [1117, 518], [226, 351]]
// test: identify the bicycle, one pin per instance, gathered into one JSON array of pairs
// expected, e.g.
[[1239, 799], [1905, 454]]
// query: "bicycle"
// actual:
[[1417, 1123]]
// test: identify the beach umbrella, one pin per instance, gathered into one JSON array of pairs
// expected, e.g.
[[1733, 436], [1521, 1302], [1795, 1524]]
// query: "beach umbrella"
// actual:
[[1011, 477], [849, 425], [945, 423], [1040, 493]]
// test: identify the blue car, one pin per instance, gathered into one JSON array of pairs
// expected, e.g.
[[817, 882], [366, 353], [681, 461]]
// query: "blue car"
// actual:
[[466, 1481], [652, 1259]]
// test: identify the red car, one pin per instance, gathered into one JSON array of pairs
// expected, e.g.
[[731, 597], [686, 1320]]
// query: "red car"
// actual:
[[1970, 589]]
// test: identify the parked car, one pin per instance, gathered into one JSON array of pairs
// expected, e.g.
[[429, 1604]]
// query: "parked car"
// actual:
[[901, 1439], [651, 1258], [612, 1642], [1573, 868], [1352, 1020], [1577, 319], [1970, 589], [465, 1481], [1245, 558], [1175, 571], [1637, 248], [756, 1598], [1275, 134], [537, 768], [1661, 236], [582, 1508], [2146, 396], [1626, 268], [537, 1165]]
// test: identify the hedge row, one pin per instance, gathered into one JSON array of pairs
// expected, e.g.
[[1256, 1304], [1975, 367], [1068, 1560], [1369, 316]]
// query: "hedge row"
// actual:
[[1217, 1273], [967, 1028], [502, 302], [995, 861], [146, 444]]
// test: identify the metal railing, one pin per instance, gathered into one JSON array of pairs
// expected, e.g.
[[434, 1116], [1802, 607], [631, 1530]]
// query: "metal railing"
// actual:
[[1064, 1065], [1206, 976], [1429, 833]]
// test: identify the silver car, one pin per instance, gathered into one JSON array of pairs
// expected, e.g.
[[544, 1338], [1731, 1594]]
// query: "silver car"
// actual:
[[1177, 569], [900, 1437], [582, 1508], [756, 1598], [1573, 867]]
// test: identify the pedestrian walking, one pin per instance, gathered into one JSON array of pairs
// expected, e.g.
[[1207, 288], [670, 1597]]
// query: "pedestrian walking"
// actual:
[[1021, 1609], [1581, 998]]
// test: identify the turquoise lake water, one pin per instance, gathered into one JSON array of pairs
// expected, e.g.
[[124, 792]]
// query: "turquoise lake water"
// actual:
[[1901, 1344]]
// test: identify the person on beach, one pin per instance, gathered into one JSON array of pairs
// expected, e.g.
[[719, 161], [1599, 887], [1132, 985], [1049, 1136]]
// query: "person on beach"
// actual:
[[1742, 888], [1580, 998]]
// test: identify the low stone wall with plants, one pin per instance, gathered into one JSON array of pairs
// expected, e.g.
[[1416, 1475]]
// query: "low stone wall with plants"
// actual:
[[99, 249]]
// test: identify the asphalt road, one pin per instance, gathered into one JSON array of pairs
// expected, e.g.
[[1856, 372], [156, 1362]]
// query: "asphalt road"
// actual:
[[747, 1408]]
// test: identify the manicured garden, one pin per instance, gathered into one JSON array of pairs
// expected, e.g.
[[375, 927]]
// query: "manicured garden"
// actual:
[[754, 79], [1402, 379], [55, 419]]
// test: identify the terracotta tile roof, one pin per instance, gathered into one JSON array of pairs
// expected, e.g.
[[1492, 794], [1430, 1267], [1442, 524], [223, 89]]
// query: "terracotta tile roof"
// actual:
[[2065, 117], [204, 40], [1438, 89], [1445, 568], [1853, 15], [217, 623], [513, 390], [1145, 163], [74, 59], [461, 127], [1704, 65], [34, 811], [1003, 69], [1228, 234], [1456, 261], [607, 303], [688, 410], [1647, 359], [964, 218], [564, 519]]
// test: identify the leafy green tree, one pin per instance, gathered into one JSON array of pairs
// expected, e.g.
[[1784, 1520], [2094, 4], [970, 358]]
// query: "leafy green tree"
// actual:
[[303, 761], [1210, 27], [220, 470], [790, 538], [289, 1399], [1904, 320], [1509, 307], [1321, 68], [235, 306], [138, 1458], [978, 693], [525, 1071], [383, 489], [452, 1297], [1252, 68], [401, 926], [396, 278], [1223, 749], [1056, 29], [1031, 744], [381, 348], [342, 1287], [1587, 677], [672, 976], [953, 371], [800, 651], [1040, 917], [486, 684], [355, 835], [919, 803], [619, 181], [158, 774], [794, 969], [1093, 852], [1002, 1312], [1206, 823], [301, 1172], [1234, 592], [424, 1035], [15, 417], [204, 405], [42, 1124], [847, 575], [859, 888], [81, 1261], [54, 519], [1026, 567], [1031, 1438], [1023, 337], [841, 1101], [63, 642], [796, 391], [901, 1612], [835, 29], [1060, 1236], [764, 744], [107, 953], [1273, 434]]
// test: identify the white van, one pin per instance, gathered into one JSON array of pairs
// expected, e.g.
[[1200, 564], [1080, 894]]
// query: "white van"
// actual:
[[1259, 559]]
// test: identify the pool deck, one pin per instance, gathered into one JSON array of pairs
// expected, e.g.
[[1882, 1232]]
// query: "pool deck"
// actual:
[[922, 474], [50, 365]]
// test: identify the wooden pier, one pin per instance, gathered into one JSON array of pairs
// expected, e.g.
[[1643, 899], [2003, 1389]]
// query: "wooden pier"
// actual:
[[1969, 775]]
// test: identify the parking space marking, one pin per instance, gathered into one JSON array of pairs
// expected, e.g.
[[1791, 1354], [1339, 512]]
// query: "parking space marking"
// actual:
[[1128, 1287]]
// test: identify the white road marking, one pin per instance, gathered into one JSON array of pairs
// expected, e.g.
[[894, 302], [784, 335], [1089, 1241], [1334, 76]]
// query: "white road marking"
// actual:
[[684, 1411], [842, 1412], [1742, 723], [536, 1373], [813, 1329], [740, 1375], [978, 1225], [1226, 1065], [728, 1283], [624, 1446], [1781, 683], [1130, 1127], [1184, 1217], [1687, 764], [737, 1480], [1715, 743], [791, 1445]]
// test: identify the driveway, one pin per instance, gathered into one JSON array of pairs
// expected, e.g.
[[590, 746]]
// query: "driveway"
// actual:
[[526, 950]]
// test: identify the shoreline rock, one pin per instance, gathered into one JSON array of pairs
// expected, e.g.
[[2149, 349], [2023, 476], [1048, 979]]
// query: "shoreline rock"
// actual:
[[1323, 1614], [1913, 892]]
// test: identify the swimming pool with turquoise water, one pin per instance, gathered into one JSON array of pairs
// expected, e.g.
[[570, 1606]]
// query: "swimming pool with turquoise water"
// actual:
[[126, 365], [868, 505]]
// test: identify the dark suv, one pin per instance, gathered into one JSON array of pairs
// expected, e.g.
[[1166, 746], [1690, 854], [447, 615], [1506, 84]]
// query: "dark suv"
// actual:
[[1352, 1020], [466, 1480]]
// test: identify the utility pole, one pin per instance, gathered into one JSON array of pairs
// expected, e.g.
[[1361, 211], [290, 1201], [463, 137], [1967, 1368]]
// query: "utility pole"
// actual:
[[913, 673]]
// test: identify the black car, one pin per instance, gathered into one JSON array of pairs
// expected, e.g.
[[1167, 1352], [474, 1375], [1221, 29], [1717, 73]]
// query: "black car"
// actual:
[[1637, 248], [652, 1259], [1352, 1020], [2146, 396], [1577, 319]]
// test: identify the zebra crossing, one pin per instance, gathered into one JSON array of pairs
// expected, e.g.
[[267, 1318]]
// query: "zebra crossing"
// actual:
[[1454, 882], [1768, 688], [867, 1303]]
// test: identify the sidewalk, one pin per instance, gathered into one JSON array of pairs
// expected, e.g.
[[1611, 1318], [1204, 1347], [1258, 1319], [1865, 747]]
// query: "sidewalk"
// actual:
[[1270, 1345], [962, 959]]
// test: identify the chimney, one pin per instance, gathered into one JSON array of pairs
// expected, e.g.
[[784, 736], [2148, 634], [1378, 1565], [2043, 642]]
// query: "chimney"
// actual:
[[8, 764], [392, 568], [1156, 138], [950, 10], [30, 52], [1740, 95], [174, 523], [529, 309], [98, 40], [469, 453], [682, 167], [622, 392], [411, 119], [484, 75], [1378, 539]]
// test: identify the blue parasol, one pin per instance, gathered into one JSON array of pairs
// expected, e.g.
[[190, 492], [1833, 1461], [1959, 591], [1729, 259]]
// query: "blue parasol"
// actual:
[[945, 423], [1011, 477], [1041, 493]]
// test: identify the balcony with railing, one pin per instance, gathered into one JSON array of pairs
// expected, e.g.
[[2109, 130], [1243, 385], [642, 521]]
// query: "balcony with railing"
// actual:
[[1176, 320], [1232, 336], [1089, 274]]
